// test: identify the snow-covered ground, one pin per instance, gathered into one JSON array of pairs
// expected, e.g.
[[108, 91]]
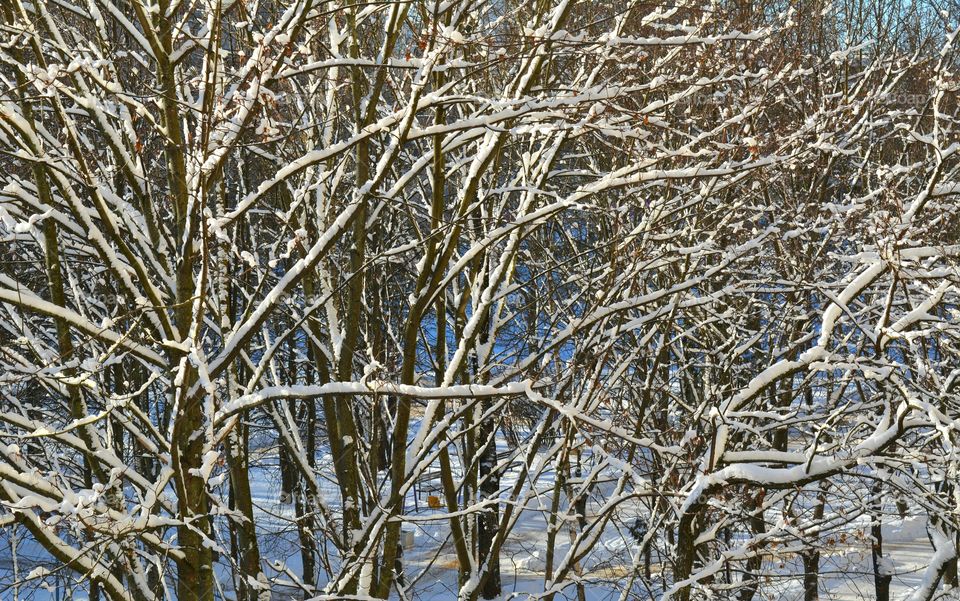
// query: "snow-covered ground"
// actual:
[[431, 565]]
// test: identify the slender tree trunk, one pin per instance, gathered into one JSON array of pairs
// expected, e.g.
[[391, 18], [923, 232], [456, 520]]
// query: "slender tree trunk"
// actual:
[[811, 574], [488, 521], [560, 469], [881, 572], [752, 572], [249, 551], [687, 531], [305, 501], [950, 575], [579, 503], [811, 557]]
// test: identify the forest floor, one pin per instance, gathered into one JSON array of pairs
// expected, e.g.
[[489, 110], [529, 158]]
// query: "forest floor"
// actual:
[[846, 567]]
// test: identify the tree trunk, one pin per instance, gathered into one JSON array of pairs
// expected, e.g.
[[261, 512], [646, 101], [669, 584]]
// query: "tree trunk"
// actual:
[[488, 520], [881, 575], [687, 531], [811, 575], [751, 576], [246, 536]]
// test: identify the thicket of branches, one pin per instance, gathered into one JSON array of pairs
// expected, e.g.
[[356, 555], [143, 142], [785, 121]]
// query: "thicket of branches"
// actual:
[[683, 273]]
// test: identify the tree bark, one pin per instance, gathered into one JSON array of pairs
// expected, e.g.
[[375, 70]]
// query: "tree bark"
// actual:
[[488, 520], [881, 575]]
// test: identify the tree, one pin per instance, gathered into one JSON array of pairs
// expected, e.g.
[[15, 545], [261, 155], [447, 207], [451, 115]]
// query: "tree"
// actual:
[[582, 265]]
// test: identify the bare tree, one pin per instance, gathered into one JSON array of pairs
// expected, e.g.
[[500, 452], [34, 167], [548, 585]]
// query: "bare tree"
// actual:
[[675, 286]]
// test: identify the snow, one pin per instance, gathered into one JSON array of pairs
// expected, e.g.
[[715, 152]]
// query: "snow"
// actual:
[[644, 259]]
